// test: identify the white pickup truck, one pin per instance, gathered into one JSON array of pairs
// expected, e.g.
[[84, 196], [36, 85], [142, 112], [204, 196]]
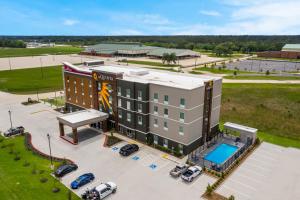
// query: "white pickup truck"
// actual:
[[100, 192]]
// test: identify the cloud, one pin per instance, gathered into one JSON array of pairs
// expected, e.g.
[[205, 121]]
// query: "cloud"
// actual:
[[140, 19], [70, 22], [210, 13]]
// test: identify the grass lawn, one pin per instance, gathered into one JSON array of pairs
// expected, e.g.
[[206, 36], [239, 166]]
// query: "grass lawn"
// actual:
[[216, 70], [263, 77], [212, 54], [26, 81], [17, 52], [273, 109], [19, 181], [139, 62]]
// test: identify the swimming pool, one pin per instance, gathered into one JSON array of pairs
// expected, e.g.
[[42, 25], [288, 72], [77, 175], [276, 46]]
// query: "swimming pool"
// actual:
[[221, 153]]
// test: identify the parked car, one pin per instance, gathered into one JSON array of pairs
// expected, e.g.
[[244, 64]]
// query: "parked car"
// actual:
[[128, 149], [178, 170], [82, 180], [100, 192], [65, 169], [191, 173], [14, 131]]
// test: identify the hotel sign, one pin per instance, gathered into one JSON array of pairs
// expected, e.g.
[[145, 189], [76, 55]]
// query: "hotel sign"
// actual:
[[102, 77]]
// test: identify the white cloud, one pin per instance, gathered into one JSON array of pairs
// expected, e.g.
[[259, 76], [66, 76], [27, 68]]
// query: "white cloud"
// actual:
[[70, 22], [210, 13]]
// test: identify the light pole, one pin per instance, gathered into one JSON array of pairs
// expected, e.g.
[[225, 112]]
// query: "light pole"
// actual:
[[9, 112], [48, 136]]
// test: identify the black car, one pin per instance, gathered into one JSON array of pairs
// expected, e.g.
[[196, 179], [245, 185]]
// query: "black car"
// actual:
[[14, 131], [65, 169], [128, 149]]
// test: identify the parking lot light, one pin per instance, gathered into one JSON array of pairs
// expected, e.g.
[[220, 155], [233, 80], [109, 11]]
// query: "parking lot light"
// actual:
[[48, 136], [9, 113]]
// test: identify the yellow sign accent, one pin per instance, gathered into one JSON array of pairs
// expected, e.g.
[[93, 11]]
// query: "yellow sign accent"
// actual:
[[95, 76], [166, 156], [104, 96]]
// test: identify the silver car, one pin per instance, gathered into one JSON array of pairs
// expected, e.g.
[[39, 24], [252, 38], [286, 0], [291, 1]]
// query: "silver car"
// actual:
[[178, 170]]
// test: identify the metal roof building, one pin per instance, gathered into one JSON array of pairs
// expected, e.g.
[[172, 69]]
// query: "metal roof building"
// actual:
[[291, 47]]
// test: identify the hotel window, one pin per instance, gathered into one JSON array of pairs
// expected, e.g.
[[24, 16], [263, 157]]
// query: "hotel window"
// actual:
[[110, 111], [119, 102], [166, 126], [180, 146], [74, 82], [155, 110], [128, 93], [110, 99], [155, 124], [155, 139], [90, 83], [120, 114], [166, 112], [109, 87], [182, 102], [119, 91], [128, 105], [181, 130], [139, 95], [68, 79], [155, 97], [100, 107], [166, 143], [99, 86], [140, 120], [75, 90], [181, 117], [129, 117], [140, 107], [166, 99]]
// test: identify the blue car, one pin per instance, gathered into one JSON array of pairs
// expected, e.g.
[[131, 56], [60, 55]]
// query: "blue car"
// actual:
[[82, 180]]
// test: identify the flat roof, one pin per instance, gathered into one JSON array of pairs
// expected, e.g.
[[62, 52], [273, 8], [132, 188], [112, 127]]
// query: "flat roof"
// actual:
[[240, 127], [82, 117]]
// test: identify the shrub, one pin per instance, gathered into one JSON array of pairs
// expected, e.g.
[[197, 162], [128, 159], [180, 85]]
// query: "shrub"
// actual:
[[41, 171], [235, 73], [267, 72], [1, 139], [26, 164], [231, 197], [34, 171], [209, 189], [55, 189], [43, 180]]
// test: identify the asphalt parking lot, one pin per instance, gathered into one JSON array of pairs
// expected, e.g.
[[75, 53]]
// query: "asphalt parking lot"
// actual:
[[143, 175]]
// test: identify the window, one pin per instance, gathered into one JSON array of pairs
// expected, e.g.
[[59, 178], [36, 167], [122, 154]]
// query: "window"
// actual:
[[109, 87], [180, 146], [129, 117], [140, 107], [182, 102], [120, 114], [181, 117], [181, 130], [139, 95], [166, 143], [155, 139], [110, 99], [166, 112], [128, 93], [155, 110], [119, 91], [68, 79], [110, 111], [119, 102], [128, 105], [166, 126], [100, 107], [155, 97], [155, 124], [99, 86], [166, 99], [90, 83], [140, 120]]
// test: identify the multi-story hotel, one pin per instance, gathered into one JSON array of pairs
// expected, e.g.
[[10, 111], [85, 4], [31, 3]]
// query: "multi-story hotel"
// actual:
[[174, 110]]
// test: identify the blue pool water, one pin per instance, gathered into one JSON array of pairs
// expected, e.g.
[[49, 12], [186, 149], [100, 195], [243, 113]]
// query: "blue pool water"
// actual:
[[221, 153]]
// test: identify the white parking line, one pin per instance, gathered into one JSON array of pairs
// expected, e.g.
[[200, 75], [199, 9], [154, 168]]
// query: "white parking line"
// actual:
[[259, 167], [243, 184], [248, 177], [252, 171], [236, 192]]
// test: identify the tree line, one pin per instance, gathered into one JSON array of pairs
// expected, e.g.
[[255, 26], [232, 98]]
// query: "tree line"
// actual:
[[12, 43]]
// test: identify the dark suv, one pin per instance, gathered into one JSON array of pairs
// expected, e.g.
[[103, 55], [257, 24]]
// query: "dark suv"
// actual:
[[65, 169], [14, 131], [128, 149]]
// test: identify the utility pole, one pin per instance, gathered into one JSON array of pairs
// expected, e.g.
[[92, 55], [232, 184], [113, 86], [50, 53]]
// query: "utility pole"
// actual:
[[9, 64], [42, 68], [48, 136], [9, 113]]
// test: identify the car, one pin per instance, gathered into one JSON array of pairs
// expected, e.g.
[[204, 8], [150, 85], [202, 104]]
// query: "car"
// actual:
[[82, 180], [100, 192], [65, 169], [128, 149], [178, 170], [191, 173], [14, 131]]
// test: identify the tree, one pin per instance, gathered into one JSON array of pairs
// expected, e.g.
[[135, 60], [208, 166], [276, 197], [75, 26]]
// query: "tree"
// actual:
[[235, 73], [231, 197], [173, 58], [165, 57], [267, 72]]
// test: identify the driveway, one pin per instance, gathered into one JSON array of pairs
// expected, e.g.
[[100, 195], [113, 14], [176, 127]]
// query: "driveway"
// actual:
[[144, 175]]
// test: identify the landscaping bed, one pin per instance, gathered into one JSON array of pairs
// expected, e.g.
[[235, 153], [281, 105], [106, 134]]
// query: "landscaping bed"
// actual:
[[111, 140]]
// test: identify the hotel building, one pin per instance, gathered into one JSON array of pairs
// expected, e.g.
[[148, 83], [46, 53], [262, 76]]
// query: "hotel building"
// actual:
[[178, 111]]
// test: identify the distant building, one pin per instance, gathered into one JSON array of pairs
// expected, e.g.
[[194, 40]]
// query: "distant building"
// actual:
[[290, 51], [39, 45], [135, 50]]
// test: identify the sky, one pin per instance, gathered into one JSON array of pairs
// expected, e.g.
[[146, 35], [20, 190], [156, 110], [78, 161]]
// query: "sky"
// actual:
[[149, 17]]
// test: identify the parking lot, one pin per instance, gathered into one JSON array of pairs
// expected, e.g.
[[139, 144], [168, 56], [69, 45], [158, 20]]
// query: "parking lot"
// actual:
[[143, 175]]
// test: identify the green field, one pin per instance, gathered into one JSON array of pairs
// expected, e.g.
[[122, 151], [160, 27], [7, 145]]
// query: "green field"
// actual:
[[157, 64], [26, 81], [264, 77], [17, 52], [23, 182], [272, 108]]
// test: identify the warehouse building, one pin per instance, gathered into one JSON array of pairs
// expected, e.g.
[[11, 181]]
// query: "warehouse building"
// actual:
[[153, 107], [135, 50], [290, 51]]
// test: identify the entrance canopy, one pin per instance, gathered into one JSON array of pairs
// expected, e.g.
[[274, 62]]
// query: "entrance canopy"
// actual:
[[246, 132], [78, 119]]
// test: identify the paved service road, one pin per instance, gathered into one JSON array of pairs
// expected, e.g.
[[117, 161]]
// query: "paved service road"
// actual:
[[144, 175]]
